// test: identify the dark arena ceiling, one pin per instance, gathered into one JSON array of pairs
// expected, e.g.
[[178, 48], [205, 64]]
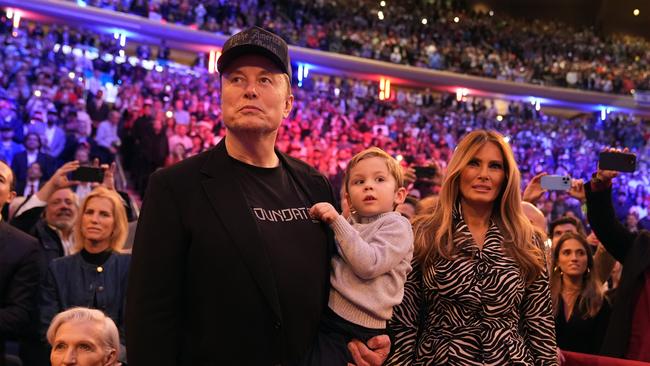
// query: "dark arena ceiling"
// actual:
[[607, 16]]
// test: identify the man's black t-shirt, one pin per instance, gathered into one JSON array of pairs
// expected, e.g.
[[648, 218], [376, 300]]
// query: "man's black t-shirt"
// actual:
[[292, 241]]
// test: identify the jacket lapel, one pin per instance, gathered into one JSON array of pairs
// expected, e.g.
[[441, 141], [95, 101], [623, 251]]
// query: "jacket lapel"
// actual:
[[231, 207]]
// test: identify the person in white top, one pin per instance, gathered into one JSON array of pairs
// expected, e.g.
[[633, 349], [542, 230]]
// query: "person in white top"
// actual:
[[107, 132]]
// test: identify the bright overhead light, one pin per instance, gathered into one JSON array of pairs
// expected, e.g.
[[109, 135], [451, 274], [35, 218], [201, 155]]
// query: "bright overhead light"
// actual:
[[382, 3], [456, 19], [636, 12], [491, 13], [424, 20], [499, 118], [380, 15]]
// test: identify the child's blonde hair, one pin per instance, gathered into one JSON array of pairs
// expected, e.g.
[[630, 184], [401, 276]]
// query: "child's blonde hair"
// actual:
[[374, 152]]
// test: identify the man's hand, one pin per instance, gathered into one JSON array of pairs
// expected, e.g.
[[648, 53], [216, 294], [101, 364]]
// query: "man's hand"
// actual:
[[323, 211], [606, 176], [59, 180], [534, 190], [373, 354], [109, 175], [409, 176], [577, 190]]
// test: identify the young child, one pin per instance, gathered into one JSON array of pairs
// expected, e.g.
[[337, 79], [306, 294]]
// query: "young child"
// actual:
[[375, 247]]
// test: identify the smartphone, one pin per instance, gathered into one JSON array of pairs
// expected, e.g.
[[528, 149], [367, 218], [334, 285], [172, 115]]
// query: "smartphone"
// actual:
[[556, 182], [618, 161], [88, 174], [425, 171]]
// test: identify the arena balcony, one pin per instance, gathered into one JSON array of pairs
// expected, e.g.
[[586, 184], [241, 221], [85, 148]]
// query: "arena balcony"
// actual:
[[133, 28]]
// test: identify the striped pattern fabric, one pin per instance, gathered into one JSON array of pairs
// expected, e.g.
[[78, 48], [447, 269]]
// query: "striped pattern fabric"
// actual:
[[474, 310]]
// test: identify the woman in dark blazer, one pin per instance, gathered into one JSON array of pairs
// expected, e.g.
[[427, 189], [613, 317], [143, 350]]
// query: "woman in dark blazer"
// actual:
[[96, 275]]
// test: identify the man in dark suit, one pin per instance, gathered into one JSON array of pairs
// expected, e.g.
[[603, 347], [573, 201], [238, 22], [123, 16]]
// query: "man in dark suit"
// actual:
[[228, 267], [32, 153], [20, 271], [97, 108], [33, 183], [49, 214]]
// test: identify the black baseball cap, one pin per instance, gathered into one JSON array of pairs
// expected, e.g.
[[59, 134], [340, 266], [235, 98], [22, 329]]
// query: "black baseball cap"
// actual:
[[259, 41]]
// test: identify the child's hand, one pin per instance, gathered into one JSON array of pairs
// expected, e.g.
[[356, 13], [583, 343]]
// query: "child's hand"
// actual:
[[323, 211]]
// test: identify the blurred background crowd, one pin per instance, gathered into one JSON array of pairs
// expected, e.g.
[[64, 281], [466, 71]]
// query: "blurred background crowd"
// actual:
[[62, 100]]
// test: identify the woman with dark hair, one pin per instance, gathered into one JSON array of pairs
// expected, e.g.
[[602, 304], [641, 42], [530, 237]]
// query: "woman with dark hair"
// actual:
[[478, 293], [581, 311]]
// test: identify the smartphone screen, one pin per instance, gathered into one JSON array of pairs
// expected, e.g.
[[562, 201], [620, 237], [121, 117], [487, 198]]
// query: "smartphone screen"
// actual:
[[88, 174]]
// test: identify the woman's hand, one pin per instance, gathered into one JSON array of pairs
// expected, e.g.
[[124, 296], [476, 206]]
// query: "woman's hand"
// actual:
[[534, 190], [577, 190]]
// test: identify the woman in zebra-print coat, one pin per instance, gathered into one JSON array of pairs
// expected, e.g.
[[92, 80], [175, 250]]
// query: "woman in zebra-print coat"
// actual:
[[478, 293]]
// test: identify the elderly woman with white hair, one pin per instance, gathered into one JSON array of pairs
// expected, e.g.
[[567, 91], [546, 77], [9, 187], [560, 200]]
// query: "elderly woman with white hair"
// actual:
[[96, 275], [83, 337]]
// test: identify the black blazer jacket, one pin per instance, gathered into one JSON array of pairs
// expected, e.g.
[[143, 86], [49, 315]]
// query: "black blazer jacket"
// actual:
[[201, 288], [633, 251], [20, 270]]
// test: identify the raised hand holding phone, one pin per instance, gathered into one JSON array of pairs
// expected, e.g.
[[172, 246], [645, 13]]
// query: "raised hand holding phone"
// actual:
[[616, 160], [556, 182]]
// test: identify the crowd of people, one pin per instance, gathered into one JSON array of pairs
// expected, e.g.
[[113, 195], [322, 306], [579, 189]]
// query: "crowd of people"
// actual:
[[57, 103], [482, 44], [62, 109]]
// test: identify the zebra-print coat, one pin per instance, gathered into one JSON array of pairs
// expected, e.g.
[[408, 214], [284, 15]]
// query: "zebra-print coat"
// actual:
[[474, 310]]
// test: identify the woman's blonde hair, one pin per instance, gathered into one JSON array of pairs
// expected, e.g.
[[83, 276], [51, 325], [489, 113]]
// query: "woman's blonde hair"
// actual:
[[521, 241], [120, 225], [591, 293]]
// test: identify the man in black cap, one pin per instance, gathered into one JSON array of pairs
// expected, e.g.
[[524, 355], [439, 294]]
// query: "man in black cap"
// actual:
[[228, 267]]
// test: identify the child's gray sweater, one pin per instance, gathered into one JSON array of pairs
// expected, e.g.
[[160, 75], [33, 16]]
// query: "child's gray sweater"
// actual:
[[369, 275]]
